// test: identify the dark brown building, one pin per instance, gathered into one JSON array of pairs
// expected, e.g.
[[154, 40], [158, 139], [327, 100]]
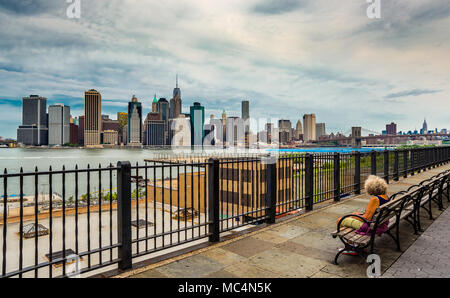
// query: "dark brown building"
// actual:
[[81, 131], [73, 133]]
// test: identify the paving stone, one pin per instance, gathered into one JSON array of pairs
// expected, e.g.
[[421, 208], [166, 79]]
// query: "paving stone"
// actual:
[[223, 256], [287, 263], [193, 267], [248, 247], [271, 236], [250, 270]]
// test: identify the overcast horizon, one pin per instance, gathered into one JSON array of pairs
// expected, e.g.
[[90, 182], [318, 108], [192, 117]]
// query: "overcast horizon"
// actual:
[[287, 57]]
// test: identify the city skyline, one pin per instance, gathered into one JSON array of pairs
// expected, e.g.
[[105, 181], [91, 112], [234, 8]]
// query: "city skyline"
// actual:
[[338, 62]]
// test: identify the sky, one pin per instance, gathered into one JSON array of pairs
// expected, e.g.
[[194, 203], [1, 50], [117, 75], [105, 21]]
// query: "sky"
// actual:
[[287, 57]]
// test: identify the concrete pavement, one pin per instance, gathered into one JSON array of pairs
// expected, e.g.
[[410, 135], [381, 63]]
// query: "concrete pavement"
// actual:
[[298, 247]]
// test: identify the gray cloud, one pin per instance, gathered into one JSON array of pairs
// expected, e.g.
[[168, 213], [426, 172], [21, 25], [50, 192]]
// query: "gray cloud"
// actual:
[[30, 7], [414, 92], [275, 7]]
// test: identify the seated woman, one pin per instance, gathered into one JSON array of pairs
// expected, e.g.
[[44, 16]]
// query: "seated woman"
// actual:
[[377, 188]]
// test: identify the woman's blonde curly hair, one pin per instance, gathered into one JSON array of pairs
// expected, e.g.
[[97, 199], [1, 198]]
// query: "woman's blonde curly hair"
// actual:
[[375, 186]]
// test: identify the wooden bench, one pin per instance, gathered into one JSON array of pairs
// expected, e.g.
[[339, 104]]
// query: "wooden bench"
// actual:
[[404, 205]]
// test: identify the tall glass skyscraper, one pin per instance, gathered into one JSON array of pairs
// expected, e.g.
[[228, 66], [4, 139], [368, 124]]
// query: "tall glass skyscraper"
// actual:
[[58, 124], [197, 123], [93, 118], [134, 122], [34, 128]]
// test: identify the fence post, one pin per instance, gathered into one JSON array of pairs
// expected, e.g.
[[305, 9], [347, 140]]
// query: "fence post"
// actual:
[[413, 156], [309, 182], [386, 165], [396, 170], [124, 214], [373, 158], [337, 177], [405, 163], [357, 173], [213, 200], [271, 194]]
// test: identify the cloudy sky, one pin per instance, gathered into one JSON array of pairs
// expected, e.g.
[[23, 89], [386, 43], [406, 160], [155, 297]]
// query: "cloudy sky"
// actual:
[[288, 57]]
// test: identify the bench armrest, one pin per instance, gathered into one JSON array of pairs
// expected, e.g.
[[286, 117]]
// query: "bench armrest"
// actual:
[[344, 217]]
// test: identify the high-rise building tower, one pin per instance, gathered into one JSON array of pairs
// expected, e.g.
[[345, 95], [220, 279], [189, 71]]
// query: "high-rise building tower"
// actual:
[[175, 102], [34, 128], [164, 110], [134, 122], [391, 129], [320, 130], [93, 118], [58, 124], [155, 105], [197, 124], [285, 131], [298, 130], [425, 127], [309, 127], [245, 109]]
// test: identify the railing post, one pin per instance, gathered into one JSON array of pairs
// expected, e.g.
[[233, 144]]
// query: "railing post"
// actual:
[[213, 200], [337, 177], [396, 162], [405, 163], [386, 165], [357, 173], [271, 194], [309, 182], [124, 214], [373, 158], [413, 156]]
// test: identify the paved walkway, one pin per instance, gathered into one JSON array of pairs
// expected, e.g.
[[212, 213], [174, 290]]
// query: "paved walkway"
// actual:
[[429, 256], [298, 247]]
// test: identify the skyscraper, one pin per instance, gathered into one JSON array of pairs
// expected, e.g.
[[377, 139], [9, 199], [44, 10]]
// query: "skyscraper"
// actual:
[[155, 105], [164, 111], [298, 130], [245, 109], [391, 129], [320, 130], [425, 127], [93, 118], [58, 124], [34, 128], [285, 131], [309, 127], [134, 122], [175, 102], [197, 123]]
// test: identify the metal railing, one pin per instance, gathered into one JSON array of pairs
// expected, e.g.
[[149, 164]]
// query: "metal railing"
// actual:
[[78, 221]]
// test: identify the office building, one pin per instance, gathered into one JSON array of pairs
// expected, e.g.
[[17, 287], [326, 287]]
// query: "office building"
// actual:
[[155, 133], [134, 123], [424, 127], [391, 129], [58, 124], [299, 131], [74, 134], [197, 119], [285, 131], [309, 127], [93, 118], [110, 137], [175, 102], [235, 135], [320, 130], [34, 128]]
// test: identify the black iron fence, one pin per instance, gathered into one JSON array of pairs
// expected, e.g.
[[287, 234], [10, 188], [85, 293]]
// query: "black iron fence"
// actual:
[[61, 223]]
